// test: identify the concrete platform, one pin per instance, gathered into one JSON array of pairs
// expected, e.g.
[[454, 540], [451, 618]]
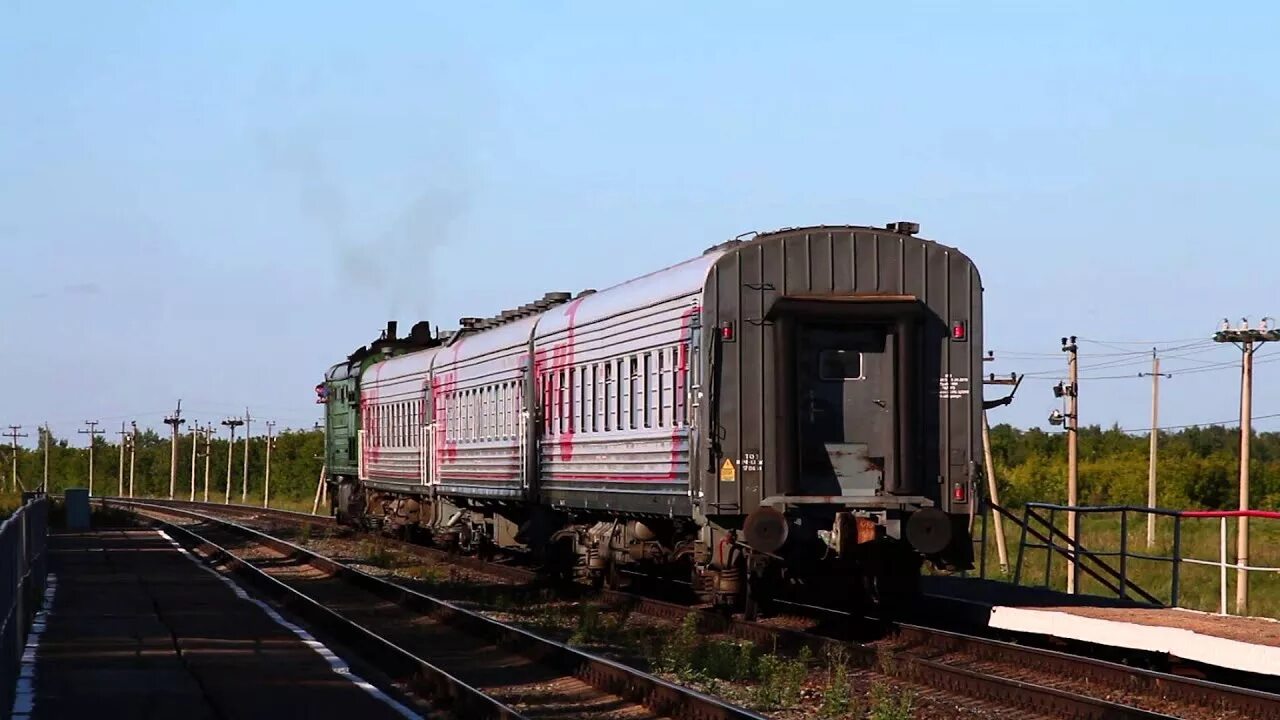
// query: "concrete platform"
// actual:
[[136, 628], [1247, 644]]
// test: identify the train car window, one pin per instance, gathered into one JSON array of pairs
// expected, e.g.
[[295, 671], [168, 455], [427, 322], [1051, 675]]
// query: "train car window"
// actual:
[[840, 364], [597, 391], [637, 395], [679, 372], [578, 422], [572, 401], [662, 387], [624, 394], [648, 390], [609, 391]]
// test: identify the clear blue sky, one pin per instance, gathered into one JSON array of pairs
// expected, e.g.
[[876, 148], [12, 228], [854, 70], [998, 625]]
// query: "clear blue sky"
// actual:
[[217, 201]]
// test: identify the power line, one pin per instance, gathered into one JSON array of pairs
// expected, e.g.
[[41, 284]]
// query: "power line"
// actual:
[[1216, 423]]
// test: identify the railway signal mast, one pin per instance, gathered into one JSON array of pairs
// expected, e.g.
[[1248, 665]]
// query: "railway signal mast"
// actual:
[[266, 484], [244, 479], [195, 444], [48, 438], [1247, 340], [124, 441], [133, 451], [173, 421], [208, 432], [233, 423]]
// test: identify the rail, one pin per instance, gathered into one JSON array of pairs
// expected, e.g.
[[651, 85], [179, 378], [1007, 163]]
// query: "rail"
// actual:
[[23, 573]]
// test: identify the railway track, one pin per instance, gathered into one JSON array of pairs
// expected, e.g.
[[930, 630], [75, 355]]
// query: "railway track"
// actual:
[[471, 665], [1043, 682]]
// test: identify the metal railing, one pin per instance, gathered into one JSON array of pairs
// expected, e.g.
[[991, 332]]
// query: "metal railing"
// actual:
[[23, 573], [1221, 563], [1091, 562], [1037, 529]]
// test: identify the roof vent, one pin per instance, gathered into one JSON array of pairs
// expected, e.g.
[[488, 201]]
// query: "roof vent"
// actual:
[[906, 227]]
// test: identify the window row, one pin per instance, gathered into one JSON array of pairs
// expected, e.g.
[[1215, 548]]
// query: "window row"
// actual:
[[643, 390], [638, 391], [393, 425], [482, 414]]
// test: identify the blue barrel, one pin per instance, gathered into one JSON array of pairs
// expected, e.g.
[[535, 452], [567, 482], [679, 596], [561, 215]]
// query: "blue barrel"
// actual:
[[77, 500]]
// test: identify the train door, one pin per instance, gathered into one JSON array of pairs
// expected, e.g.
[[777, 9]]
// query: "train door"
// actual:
[[426, 429], [846, 408]]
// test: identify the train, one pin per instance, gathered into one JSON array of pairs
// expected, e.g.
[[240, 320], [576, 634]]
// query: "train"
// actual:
[[789, 414]]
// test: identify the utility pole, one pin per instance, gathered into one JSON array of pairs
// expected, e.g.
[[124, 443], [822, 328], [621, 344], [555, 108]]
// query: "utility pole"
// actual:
[[244, 479], [1071, 390], [1002, 550], [195, 443], [93, 432], [14, 435], [124, 434], [266, 483], [133, 447], [48, 437], [1247, 340], [208, 453], [173, 421], [232, 423], [1155, 438]]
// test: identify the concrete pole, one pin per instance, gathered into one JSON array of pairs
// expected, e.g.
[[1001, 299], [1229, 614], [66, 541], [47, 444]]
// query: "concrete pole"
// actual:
[[244, 479], [173, 421], [1001, 550], [124, 434], [44, 484], [93, 432], [230, 453], [133, 449], [208, 454], [1155, 440], [1073, 437], [1246, 430], [266, 484], [195, 443]]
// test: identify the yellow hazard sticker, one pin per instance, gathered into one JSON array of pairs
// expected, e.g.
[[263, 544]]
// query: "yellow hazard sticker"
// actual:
[[727, 471]]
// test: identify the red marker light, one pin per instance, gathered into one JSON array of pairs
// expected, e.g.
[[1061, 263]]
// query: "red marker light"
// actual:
[[958, 330], [958, 492], [726, 331]]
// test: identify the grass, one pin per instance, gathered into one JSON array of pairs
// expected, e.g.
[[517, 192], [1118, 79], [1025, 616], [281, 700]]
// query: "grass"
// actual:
[[1198, 584], [10, 500]]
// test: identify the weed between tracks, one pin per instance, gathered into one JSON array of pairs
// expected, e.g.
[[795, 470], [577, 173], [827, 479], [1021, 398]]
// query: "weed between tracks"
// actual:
[[787, 688]]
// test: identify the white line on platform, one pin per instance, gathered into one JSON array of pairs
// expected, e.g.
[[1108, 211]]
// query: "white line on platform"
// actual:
[[335, 662], [1179, 642], [24, 696]]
